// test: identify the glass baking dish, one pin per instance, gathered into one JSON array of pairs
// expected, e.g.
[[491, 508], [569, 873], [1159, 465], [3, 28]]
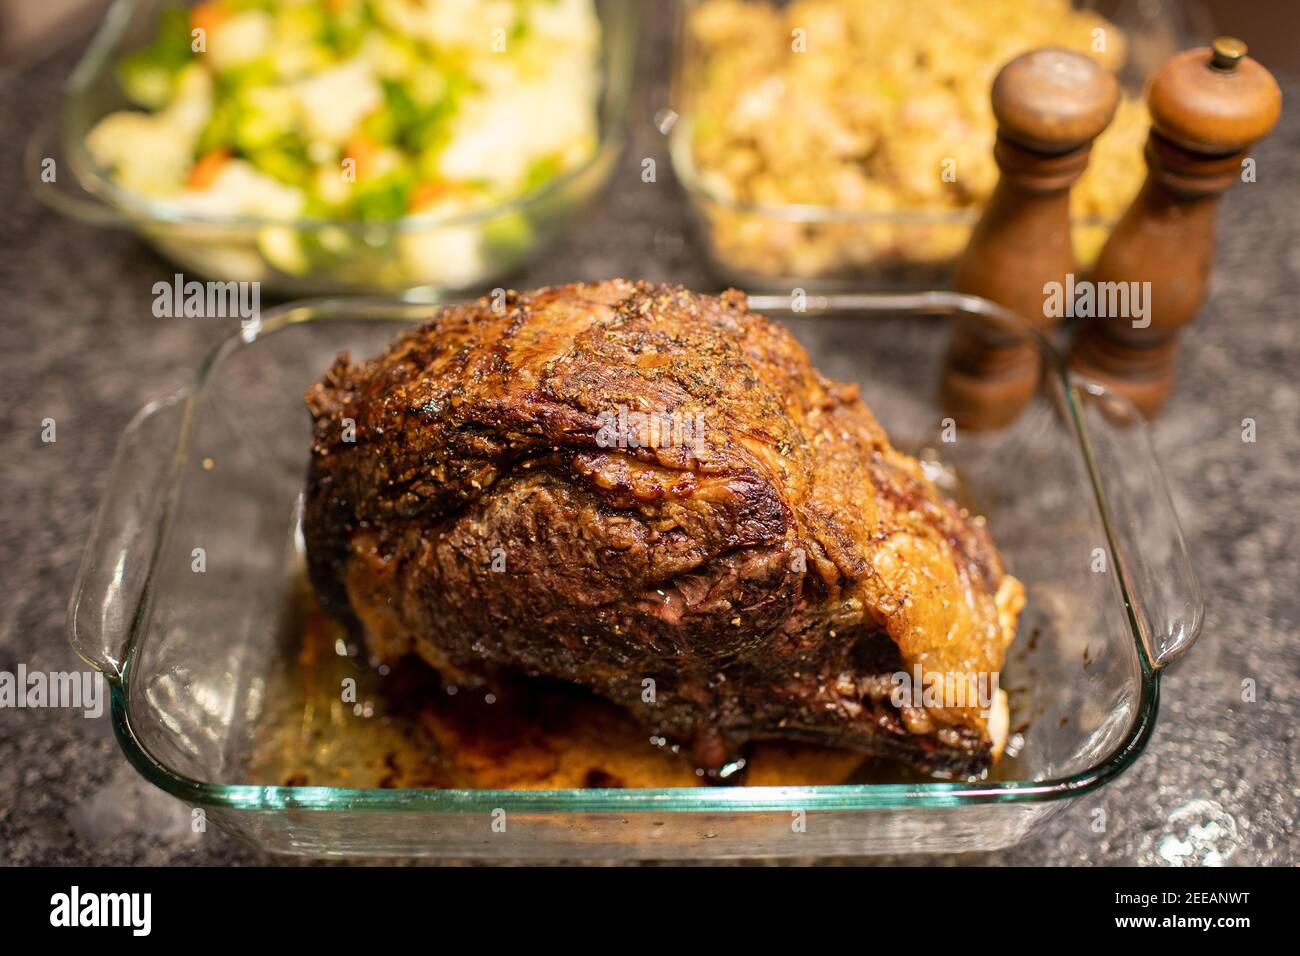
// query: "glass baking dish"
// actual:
[[1072, 490], [421, 256], [888, 242]]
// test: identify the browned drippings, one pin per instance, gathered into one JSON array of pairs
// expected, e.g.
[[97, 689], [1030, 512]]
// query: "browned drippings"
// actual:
[[405, 728]]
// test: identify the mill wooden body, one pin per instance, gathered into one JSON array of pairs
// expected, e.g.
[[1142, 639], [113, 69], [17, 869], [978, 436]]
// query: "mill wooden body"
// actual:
[[1208, 106], [1050, 105]]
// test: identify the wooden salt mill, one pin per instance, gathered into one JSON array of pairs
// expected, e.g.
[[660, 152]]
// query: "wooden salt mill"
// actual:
[[1208, 106], [1050, 104]]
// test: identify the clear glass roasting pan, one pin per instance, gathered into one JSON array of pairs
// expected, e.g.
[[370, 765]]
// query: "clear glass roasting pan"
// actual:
[[1072, 490]]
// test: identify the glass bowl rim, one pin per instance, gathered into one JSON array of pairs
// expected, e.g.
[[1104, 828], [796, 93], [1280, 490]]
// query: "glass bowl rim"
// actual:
[[257, 797]]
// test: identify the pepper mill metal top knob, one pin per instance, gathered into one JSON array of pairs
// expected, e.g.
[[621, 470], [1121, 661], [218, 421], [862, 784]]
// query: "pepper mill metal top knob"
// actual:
[[1214, 99], [1053, 100], [1050, 104], [1208, 106]]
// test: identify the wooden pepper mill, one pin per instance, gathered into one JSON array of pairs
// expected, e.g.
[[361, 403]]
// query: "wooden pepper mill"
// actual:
[[1208, 106], [1050, 104]]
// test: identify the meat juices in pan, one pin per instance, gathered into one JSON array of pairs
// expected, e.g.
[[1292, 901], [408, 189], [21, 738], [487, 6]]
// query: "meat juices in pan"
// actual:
[[651, 493]]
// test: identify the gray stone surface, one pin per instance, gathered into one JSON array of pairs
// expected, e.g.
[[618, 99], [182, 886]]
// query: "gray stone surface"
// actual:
[[78, 344]]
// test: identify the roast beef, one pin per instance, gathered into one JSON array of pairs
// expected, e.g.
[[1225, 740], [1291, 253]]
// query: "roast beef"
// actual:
[[651, 493]]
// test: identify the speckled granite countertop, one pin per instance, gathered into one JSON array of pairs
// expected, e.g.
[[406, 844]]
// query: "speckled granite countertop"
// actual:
[[78, 344]]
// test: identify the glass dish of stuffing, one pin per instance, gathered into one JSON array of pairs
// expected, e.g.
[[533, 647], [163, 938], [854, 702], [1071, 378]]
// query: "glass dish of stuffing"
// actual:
[[396, 146], [849, 143]]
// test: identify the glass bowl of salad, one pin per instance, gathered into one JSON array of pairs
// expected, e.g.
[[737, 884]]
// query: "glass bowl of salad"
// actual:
[[410, 146]]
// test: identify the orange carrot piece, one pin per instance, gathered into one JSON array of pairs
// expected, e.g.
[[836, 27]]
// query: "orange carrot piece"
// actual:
[[364, 152], [205, 171], [426, 193], [207, 17]]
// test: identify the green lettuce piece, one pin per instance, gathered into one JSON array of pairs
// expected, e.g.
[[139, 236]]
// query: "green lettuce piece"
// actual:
[[219, 133], [345, 29], [148, 75], [288, 164], [384, 197], [257, 72]]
